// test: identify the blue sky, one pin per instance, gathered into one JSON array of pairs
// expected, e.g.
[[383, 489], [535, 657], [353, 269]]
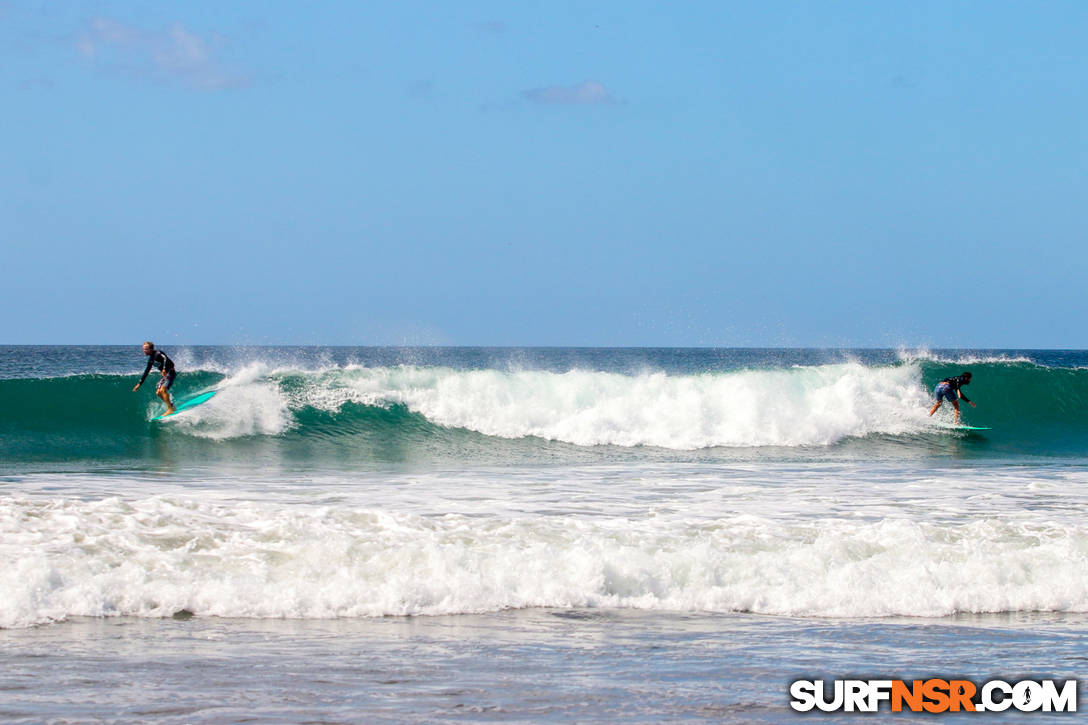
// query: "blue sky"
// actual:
[[545, 173]]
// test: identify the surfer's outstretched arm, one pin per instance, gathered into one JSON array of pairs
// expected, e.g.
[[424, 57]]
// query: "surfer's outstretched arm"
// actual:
[[144, 376]]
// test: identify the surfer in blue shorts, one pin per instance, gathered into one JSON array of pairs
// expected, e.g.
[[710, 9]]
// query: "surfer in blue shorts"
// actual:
[[950, 389], [159, 359]]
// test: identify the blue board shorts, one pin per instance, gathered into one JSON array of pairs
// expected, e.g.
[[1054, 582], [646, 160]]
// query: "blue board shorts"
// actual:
[[166, 381], [945, 392]]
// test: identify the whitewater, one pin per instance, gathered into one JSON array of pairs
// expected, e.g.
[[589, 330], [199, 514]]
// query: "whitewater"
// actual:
[[813, 406], [478, 514]]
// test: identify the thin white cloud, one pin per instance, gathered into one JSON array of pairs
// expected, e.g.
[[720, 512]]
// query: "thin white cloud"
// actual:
[[586, 93], [174, 54]]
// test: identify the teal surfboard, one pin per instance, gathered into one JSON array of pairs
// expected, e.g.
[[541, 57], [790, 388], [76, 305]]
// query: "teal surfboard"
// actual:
[[971, 427], [190, 403]]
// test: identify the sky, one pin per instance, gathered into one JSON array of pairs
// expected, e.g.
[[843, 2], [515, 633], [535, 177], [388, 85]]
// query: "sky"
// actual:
[[820, 174]]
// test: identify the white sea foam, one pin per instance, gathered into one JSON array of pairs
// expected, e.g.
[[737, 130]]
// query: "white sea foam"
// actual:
[[784, 407], [155, 556], [247, 403]]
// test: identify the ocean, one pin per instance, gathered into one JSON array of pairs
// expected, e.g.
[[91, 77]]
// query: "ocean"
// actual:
[[542, 534]]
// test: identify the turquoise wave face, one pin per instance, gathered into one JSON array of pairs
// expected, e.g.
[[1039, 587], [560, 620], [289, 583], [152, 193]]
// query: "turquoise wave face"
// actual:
[[1033, 409], [346, 415], [85, 417]]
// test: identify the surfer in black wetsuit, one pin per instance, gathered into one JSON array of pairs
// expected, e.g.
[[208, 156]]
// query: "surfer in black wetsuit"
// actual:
[[159, 359], [950, 389]]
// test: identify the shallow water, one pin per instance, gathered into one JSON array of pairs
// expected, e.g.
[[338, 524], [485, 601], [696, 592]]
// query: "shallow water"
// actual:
[[539, 665]]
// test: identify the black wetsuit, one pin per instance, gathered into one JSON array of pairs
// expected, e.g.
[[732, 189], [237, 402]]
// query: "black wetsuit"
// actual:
[[160, 360], [956, 383]]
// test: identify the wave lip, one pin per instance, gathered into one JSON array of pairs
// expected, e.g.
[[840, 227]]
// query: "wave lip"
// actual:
[[156, 556]]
